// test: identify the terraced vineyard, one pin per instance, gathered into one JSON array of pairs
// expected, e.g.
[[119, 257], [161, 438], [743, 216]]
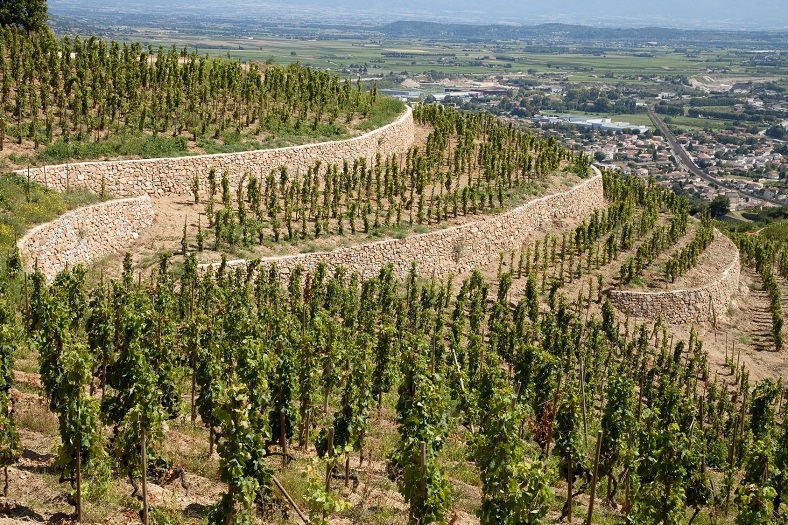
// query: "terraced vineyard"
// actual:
[[515, 393], [73, 99]]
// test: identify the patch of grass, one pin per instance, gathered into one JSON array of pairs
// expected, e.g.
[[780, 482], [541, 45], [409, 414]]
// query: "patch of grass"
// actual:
[[153, 258], [694, 122], [169, 514], [637, 280], [295, 481], [27, 388], [195, 459], [311, 247], [24, 205], [46, 495], [376, 514], [231, 142], [454, 458], [103, 496], [123, 145], [396, 232], [26, 358], [385, 110], [37, 418]]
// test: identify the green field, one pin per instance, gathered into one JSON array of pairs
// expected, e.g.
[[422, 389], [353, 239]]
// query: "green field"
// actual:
[[418, 56], [697, 123], [477, 59]]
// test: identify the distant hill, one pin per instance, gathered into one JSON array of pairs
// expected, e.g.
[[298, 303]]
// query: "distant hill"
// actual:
[[699, 14], [567, 32]]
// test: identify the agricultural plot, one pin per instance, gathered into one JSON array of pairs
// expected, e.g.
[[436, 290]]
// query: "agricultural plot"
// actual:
[[515, 394]]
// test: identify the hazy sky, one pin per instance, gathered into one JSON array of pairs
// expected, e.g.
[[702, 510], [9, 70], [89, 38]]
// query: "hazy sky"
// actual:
[[711, 14]]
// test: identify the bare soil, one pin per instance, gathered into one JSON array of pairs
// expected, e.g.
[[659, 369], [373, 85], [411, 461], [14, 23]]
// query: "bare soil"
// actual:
[[172, 212], [745, 332], [712, 262]]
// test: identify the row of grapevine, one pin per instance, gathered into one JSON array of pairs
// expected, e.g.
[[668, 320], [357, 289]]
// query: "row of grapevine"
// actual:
[[89, 89], [471, 164], [267, 366], [782, 264], [687, 258], [632, 214], [775, 307], [259, 341], [762, 254]]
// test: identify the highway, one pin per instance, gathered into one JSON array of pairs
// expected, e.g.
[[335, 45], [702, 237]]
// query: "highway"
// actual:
[[689, 164]]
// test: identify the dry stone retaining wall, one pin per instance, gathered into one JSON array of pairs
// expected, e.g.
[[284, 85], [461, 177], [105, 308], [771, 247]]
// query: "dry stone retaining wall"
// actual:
[[455, 250], [704, 304], [85, 234], [174, 176]]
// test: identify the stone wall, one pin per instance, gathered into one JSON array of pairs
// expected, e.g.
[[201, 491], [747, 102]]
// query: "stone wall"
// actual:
[[174, 176], [85, 234], [455, 250], [704, 304]]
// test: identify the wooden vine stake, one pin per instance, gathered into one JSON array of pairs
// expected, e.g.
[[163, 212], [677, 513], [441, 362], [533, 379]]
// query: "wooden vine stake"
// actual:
[[569, 485], [583, 394], [79, 461], [283, 433], [594, 478], [330, 457], [290, 500], [731, 457], [27, 188], [546, 451], [144, 454], [347, 458], [27, 297], [79, 482], [282, 421], [627, 488], [328, 372], [423, 470], [516, 394], [703, 449], [733, 353], [730, 468]]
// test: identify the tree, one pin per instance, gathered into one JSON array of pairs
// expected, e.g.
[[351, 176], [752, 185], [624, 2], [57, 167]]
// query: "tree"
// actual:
[[30, 15], [777, 132], [720, 206]]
